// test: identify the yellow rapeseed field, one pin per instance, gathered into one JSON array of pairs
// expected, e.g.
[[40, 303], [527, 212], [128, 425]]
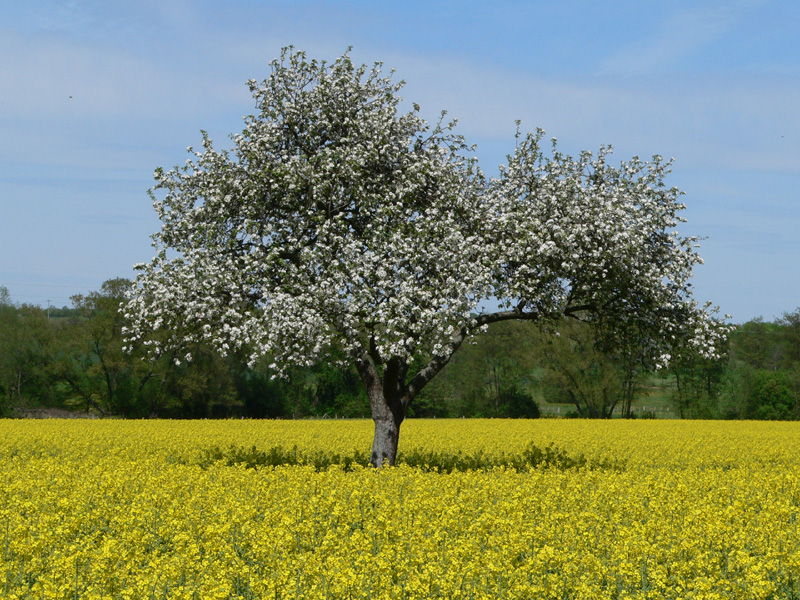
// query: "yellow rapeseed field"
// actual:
[[127, 509]]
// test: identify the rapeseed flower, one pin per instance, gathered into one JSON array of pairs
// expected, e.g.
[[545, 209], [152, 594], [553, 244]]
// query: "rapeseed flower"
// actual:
[[124, 509]]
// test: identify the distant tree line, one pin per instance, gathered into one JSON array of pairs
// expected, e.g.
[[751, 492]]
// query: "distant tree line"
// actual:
[[758, 379], [73, 359]]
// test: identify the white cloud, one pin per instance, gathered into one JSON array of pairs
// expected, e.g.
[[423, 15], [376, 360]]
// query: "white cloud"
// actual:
[[678, 37], [724, 122], [714, 122]]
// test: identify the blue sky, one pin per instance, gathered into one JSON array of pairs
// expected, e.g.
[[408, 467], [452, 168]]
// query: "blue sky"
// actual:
[[94, 95]]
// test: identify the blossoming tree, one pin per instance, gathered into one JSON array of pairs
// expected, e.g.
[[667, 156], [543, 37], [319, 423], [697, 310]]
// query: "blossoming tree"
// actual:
[[336, 220]]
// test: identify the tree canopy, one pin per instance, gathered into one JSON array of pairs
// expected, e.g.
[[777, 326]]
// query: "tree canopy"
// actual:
[[338, 221]]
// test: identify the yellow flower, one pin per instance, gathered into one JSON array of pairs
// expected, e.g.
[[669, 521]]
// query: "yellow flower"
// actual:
[[123, 509]]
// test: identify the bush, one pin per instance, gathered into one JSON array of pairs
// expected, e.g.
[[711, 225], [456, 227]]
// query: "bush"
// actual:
[[772, 396], [518, 404], [532, 457]]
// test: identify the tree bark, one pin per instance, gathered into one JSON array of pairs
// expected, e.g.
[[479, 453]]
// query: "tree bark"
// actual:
[[386, 404], [384, 444], [388, 413]]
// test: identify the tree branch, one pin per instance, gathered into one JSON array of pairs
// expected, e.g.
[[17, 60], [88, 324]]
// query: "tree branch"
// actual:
[[373, 352], [436, 364], [77, 388], [429, 371]]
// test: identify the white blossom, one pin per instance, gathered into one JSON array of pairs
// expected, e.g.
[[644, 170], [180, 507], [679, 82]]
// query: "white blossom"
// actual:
[[335, 220]]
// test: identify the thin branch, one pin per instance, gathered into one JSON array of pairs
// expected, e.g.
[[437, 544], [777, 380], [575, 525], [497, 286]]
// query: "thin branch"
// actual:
[[436, 364]]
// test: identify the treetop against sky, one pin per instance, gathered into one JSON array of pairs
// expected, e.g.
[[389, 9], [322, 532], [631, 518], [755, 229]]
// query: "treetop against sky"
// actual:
[[98, 95]]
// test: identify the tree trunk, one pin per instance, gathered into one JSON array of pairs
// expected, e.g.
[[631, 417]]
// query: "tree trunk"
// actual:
[[384, 444], [678, 395], [388, 400], [388, 412]]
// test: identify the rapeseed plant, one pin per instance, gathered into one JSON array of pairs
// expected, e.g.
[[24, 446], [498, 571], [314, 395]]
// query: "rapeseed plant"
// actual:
[[124, 509]]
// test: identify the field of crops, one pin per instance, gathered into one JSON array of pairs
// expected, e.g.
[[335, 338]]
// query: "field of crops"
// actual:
[[156, 509]]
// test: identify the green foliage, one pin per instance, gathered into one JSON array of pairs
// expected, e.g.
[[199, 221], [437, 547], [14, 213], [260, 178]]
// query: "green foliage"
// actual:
[[8, 348], [645, 414], [579, 372], [5, 297], [337, 391], [65, 312], [26, 344], [93, 366], [758, 344], [531, 457], [518, 404], [735, 390], [260, 396], [483, 376], [76, 361], [698, 384], [762, 377], [774, 396], [427, 406], [278, 456]]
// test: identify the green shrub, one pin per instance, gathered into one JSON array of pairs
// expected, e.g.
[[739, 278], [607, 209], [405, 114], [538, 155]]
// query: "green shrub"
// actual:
[[532, 457]]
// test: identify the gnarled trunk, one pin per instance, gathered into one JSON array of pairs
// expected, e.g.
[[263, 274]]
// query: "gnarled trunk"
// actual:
[[384, 444], [388, 412], [388, 400]]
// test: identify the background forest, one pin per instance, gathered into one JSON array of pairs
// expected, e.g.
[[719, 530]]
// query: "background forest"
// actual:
[[72, 359]]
